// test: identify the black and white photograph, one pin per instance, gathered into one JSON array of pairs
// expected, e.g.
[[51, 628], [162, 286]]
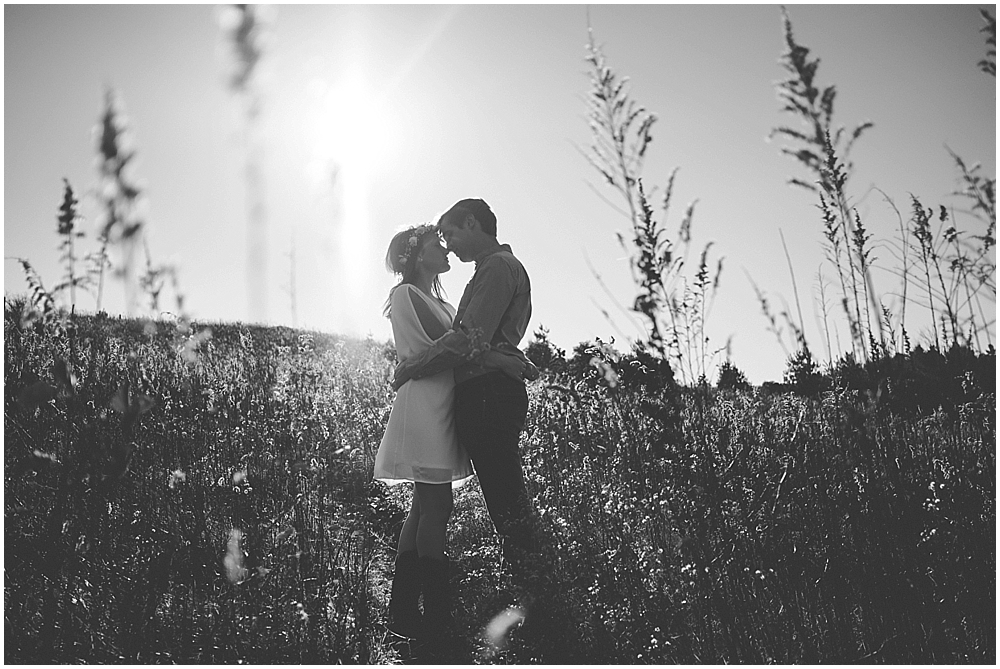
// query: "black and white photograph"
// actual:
[[556, 334]]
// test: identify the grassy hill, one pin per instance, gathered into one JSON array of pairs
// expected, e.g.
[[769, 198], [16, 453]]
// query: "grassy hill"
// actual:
[[172, 496]]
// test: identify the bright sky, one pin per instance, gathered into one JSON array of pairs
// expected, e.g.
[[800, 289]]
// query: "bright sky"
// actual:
[[416, 107]]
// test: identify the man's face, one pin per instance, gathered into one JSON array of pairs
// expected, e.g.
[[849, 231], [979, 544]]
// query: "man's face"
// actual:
[[457, 236]]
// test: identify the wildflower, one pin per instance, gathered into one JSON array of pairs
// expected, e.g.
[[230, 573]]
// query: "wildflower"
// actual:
[[176, 476], [606, 371], [495, 633], [412, 242], [188, 350], [233, 562]]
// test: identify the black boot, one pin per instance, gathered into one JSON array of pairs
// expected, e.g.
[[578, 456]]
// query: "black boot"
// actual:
[[438, 623], [404, 614]]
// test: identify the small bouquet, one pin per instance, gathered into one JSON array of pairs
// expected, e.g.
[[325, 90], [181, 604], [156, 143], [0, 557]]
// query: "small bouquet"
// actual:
[[464, 342], [476, 344]]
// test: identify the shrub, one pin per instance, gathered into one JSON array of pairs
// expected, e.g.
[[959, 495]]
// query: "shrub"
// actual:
[[543, 353], [802, 374], [732, 378]]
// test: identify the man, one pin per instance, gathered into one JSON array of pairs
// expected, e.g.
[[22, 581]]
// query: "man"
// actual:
[[490, 400]]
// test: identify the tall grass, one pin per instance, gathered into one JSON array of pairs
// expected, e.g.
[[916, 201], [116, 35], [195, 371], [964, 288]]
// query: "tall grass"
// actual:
[[823, 150], [244, 30], [214, 503], [989, 63], [122, 227], [176, 492], [121, 234], [68, 230], [673, 303], [124, 491], [945, 270], [776, 530]]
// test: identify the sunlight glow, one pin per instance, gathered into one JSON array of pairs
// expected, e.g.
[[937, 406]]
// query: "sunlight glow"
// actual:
[[351, 128], [349, 132]]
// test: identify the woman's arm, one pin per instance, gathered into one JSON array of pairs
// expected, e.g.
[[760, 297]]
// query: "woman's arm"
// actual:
[[446, 353], [449, 351]]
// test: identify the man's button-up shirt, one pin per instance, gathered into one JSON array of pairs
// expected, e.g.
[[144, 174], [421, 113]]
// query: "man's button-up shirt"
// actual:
[[497, 300]]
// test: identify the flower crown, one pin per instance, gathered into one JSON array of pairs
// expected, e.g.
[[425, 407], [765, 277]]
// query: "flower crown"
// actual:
[[412, 242]]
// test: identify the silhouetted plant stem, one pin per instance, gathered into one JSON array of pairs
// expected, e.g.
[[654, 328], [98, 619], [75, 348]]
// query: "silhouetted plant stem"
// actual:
[[816, 148], [904, 247], [989, 64], [824, 308], [121, 227], [674, 309], [795, 288], [925, 246], [68, 218], [247, 42]]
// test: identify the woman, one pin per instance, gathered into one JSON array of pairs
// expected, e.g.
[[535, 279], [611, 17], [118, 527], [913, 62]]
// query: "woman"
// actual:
[[419, 444]]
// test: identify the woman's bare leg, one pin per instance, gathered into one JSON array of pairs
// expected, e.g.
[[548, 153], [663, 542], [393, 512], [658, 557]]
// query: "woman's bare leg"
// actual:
[[434, 503], [404, 612], [408, 535]]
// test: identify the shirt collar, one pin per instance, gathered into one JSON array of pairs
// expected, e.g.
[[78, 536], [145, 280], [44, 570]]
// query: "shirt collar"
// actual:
[[485, 254]]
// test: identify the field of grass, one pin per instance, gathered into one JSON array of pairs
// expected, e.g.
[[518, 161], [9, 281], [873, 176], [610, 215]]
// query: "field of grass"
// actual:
[[220, 508]]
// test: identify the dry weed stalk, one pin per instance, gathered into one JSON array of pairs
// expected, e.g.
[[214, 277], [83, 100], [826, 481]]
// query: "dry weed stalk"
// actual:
[[674, 307], [244, 28]]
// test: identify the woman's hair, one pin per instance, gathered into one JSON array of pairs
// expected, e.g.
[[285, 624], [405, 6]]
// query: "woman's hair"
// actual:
[[401, 258]]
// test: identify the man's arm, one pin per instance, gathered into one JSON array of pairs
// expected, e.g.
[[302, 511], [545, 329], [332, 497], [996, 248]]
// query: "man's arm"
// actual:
[[433, 328]]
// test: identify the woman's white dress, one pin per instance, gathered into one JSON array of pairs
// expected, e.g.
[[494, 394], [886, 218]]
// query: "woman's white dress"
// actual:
[[420, 443]]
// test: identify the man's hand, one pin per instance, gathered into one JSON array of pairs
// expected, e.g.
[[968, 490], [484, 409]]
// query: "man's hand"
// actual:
[[403, 373], [511, 366]]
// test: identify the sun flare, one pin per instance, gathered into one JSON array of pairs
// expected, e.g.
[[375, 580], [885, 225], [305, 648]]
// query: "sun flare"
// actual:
[[349, 132]]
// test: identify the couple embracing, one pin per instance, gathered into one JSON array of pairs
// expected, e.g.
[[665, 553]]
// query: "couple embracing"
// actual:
[[460, 403]]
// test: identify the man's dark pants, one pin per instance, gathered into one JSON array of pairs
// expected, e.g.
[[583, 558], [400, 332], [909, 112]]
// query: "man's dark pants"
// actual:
[[489, 415]]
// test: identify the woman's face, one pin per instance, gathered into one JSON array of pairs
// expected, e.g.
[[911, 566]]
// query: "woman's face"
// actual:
[[433, 257]]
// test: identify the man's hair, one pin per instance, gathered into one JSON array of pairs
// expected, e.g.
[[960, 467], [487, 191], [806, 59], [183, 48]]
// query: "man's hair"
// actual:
[[478, 208]]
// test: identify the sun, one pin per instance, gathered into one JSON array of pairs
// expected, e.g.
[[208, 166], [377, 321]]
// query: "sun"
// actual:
[[348, 125]]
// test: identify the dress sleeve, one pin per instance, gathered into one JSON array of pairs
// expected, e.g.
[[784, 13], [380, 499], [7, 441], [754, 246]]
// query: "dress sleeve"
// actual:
[[454, 348], [409, 334]]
